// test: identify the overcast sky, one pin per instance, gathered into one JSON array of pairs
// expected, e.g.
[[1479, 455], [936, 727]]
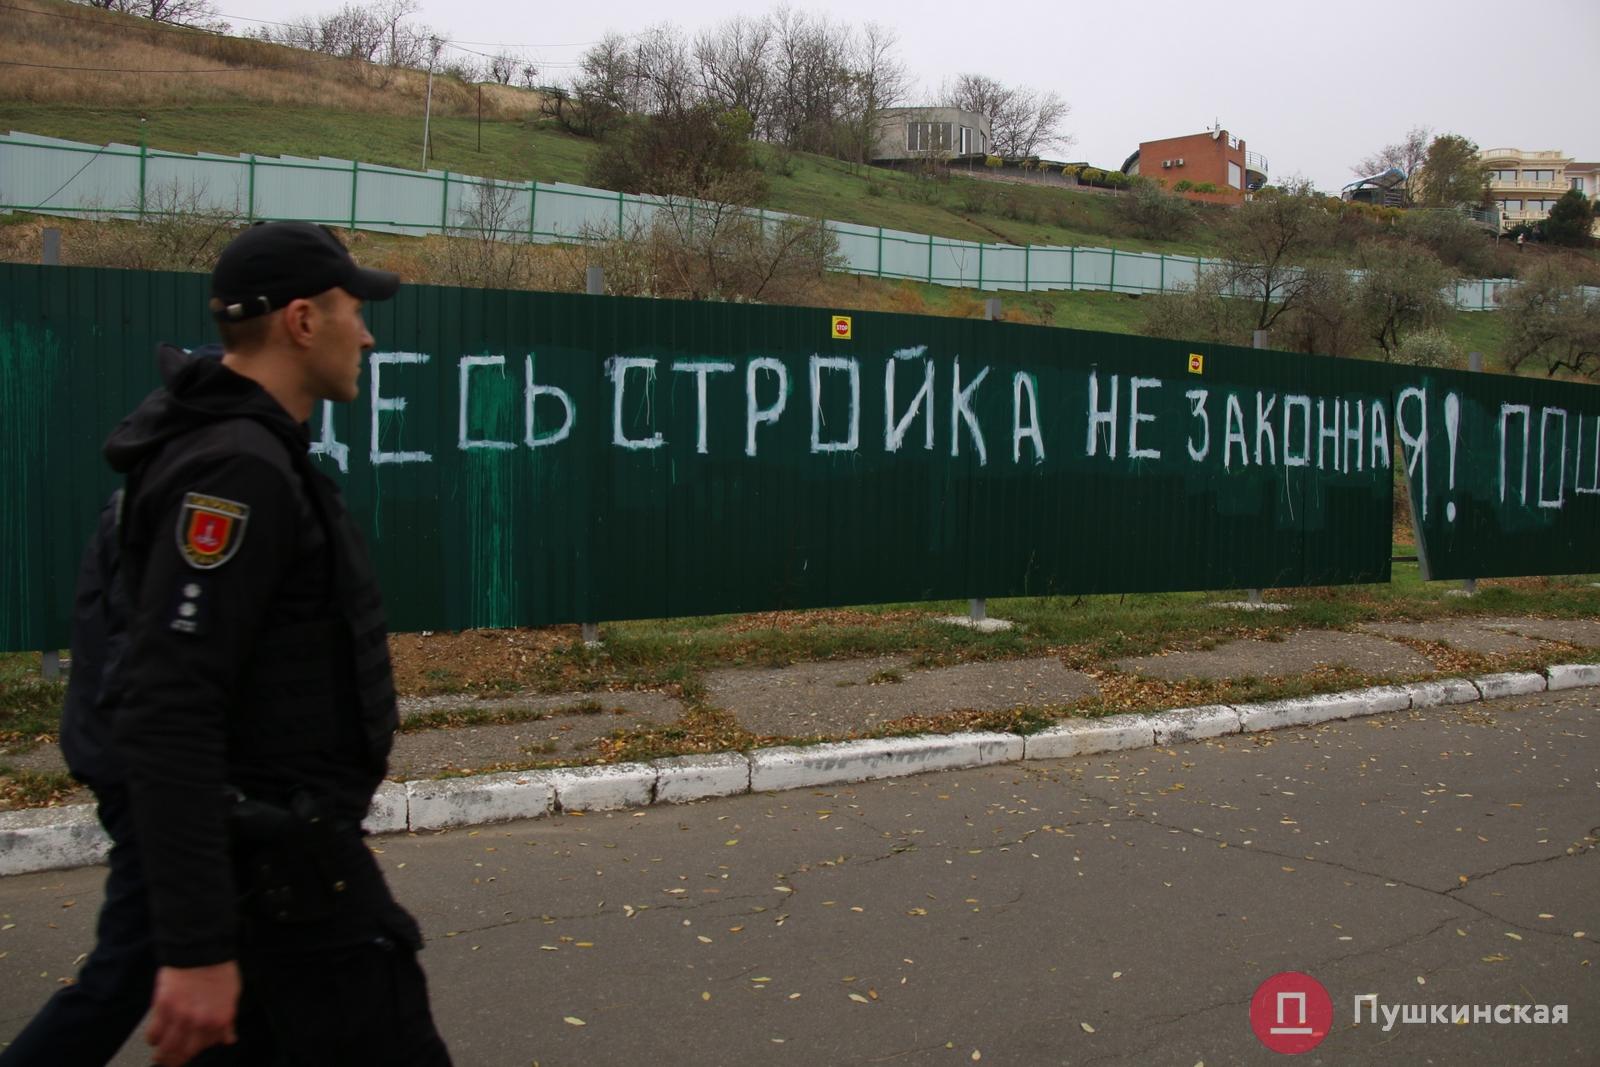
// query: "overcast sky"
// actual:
[[1314, 87]]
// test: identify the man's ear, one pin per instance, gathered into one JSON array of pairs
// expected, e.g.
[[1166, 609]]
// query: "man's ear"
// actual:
[[299, 321]]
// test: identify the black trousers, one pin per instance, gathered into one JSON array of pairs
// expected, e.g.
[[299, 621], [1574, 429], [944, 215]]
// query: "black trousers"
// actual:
[[85, 1024], [364, 1003]]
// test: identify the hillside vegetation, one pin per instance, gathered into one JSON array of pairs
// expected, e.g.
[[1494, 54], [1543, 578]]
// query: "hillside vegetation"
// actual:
[[81, 73]]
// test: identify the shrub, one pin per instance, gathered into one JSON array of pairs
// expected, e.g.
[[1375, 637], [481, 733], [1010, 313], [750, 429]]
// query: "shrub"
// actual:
[[1207, 187], [1093, 175], [993, 161], [1184, 186], [1430, 347], [1117, 180], [1154, 213], [1071, 170], [976, 197]]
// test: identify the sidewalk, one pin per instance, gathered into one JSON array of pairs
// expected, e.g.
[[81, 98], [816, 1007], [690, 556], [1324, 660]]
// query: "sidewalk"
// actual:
[[888, 698]]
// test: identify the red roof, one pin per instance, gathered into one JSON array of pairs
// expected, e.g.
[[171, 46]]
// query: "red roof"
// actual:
[[1585, 167]]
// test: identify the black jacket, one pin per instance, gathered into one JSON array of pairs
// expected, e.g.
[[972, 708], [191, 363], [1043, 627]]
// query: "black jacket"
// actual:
[[257, 661]]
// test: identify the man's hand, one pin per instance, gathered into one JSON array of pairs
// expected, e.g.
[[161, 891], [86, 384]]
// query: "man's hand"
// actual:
[[193, 1009]]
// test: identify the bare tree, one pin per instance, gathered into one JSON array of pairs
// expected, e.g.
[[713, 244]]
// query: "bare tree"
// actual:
[[488, 249], [808, 54], [501, 67], [1023, 121], [734, 66], [1406, 156], [1265, 241], [874, 80], [198, 13], [664, 76], [601, 94]]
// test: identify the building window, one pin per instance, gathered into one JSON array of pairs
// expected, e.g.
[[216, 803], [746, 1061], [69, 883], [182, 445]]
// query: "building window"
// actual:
[[1577, 183], [1511, 206], [1539, 175], [966, 140], [1235, 175], [1507, 176], [1541, 207], [927, 136]]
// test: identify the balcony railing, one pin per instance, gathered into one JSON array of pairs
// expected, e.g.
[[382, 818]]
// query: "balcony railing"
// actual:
[[1528, 184], [1257, 162]]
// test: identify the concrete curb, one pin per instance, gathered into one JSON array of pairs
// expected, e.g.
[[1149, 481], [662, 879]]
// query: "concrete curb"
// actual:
[[42, 839]]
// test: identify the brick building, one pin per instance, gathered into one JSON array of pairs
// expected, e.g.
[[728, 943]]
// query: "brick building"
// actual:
[[1212, 156]]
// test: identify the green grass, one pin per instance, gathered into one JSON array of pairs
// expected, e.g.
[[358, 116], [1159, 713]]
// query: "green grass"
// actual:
[[30, 706]]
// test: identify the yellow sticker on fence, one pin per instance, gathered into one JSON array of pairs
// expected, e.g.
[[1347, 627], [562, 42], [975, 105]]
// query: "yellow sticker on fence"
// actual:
[[841, 328], [1197, 363]]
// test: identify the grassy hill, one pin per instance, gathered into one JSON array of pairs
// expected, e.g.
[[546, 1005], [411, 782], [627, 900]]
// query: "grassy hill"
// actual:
[[228, 94]]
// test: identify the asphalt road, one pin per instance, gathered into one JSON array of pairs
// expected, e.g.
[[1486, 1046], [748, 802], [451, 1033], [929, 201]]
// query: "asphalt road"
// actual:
[[1114, 909]]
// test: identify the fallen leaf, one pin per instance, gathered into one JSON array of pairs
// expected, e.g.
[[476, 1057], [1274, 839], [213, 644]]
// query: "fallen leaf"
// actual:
[[705, 996], [1087, 1028], [573, 1020], [858, 998], [1115, 975], [1512, 936], [703, 939]]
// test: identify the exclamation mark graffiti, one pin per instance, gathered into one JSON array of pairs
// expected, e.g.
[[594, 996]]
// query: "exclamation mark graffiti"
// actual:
[[1452, 422]]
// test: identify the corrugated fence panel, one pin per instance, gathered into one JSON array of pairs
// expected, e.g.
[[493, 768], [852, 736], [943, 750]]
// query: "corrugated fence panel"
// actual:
[[524, 458]]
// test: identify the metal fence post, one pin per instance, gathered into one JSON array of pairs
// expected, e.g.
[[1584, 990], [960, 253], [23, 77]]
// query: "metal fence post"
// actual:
[[594, 284], [1257, 340], [1072, 269], [930, 259], [619, 215], [1469, 586], [444, 205], [50, 247], [1113, 286], [880, 251], [1027, 268], [980, 266], [144, 153], [533, 206], [355, 184], [1161, 286]]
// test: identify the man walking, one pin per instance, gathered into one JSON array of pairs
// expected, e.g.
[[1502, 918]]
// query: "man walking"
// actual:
[[254, 705]]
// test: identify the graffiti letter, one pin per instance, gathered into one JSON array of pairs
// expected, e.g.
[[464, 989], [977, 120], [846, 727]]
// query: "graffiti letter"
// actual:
[[1097, 417], [1506, 411], [530, 395], [617, 367], [1380, 436], [961, 410], [894, 433], [1416, 442], [755, 414], [1264, 430], [1353, 435], [381, 403], [700, 369], [1023, 382], [1134, 418], [467, 363], [1233, 433], [853, 437], [1197, 408], [1327, 432], [1290, 403], [1544, 465], [327, 445]]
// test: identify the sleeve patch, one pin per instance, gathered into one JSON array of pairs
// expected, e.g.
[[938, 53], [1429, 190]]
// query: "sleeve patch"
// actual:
[[191, 608], [210, 529]]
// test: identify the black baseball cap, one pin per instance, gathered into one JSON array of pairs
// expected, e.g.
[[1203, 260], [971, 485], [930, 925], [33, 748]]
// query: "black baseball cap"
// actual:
[[272, 263]]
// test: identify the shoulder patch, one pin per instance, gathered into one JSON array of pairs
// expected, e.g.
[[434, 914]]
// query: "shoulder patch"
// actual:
[[210, 529]]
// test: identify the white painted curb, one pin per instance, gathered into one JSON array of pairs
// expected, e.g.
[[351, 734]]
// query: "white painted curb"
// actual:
[[1573, 675], [686, 778], [604, 788], [42, 839], [773, 769], [1085, 737], [478, 799], [1510, 685]]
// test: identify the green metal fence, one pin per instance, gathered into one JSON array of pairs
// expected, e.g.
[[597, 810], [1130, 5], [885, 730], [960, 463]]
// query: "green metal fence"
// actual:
[[526, 458]]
